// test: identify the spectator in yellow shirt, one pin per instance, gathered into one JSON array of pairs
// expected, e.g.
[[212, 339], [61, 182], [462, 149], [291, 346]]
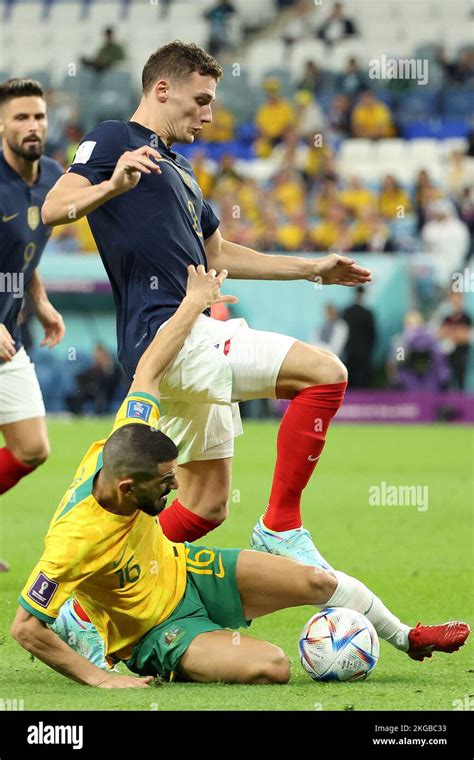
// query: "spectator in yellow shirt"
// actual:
[[272, 118], [222, 127], [292, 234], [356, 198], [371, 233], [327, 198], [394, 202], [249, 197], [371, 118], [289, 191], [76, 235], [332, 232], [204, 177]]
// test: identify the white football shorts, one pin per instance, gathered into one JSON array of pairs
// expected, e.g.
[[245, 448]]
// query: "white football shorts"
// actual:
[[219, 364], [20, 393]]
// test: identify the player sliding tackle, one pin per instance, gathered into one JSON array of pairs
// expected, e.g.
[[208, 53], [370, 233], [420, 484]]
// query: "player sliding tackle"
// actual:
[[163, 607]]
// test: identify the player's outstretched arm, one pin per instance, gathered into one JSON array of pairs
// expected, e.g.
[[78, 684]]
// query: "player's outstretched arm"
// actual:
[[202, 291], [246, 264], [34, 636], [73, 196]]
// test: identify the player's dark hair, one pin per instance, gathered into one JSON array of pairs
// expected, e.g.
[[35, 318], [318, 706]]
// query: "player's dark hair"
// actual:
[[178, 60], [18, 87], [135, 450]]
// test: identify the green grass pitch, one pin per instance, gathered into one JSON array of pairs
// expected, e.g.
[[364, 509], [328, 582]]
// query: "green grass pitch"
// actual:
[[419, 562]]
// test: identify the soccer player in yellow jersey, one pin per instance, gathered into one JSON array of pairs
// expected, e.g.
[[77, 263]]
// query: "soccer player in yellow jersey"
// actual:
[[161, 607]]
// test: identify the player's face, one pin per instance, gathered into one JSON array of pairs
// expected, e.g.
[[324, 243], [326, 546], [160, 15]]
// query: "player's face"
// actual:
[[189, 106], [151, 495], [24, 124]]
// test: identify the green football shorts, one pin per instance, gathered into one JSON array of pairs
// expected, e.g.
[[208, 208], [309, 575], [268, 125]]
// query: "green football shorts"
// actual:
[[211, 602]]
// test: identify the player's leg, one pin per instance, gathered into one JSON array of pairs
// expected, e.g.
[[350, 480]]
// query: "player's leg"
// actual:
[[22, 421], [267, 584], [201, 419], [234, 658], [266, 364], [28, 441], [27, 446], [202, 500], [315, 382]]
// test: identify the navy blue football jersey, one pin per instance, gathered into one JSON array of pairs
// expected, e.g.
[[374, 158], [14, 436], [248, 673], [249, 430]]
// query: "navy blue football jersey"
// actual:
[[23, 235], [148, 236]]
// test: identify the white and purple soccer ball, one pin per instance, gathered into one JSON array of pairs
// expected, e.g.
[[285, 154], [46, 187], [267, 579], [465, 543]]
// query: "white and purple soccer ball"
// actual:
[[338, 644]]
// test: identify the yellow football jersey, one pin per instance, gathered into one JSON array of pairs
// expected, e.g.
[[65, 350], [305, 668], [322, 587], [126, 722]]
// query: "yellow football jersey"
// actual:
[[121, 568]]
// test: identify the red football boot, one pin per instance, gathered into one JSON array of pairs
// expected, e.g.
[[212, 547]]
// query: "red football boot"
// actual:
[[423, 640]]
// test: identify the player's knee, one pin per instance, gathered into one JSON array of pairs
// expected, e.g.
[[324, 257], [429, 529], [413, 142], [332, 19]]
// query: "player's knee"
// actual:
[[217, 511], [33, 453], [330, 369], [272, 668], [320, 584]]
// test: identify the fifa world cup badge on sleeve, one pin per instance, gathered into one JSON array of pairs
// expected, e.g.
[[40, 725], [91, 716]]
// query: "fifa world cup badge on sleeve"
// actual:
[[43, 590], [139, 410], [84, 152]]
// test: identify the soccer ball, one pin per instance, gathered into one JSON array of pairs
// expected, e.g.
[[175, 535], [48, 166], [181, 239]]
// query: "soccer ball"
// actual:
[[338, 644]]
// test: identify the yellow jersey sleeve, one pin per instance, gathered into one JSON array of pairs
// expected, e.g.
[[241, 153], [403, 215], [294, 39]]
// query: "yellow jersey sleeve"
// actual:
[[53, 580], [138, 407]]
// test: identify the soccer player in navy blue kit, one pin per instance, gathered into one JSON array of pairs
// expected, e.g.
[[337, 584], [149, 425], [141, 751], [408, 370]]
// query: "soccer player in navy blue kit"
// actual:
[[150, 221], [26, 176]]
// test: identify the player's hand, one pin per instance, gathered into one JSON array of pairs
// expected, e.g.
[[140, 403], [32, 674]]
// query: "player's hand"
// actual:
[[53, 323], [130, 167], [338, 270], [124, 682], [7, 345], [204, 287]]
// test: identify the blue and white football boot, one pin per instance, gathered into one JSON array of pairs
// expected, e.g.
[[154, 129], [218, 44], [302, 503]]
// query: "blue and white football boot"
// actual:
[[81, 636], [295, 544]]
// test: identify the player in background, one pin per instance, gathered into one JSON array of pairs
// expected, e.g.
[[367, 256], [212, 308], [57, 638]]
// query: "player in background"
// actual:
[[26, 176], [161, 607], [150, 221]]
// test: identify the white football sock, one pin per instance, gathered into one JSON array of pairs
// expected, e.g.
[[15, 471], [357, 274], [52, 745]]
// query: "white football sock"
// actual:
[[351, 593]]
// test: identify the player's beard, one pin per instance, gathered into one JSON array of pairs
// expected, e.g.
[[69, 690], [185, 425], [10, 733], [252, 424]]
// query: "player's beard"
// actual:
[[154, 507], [29, 151]]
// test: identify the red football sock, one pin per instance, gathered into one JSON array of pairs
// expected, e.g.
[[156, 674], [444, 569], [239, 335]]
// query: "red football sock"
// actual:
[[300, 442], [11, 470], [82, 614], [179, 524]]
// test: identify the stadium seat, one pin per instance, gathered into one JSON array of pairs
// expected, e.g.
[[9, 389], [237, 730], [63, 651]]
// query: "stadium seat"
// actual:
[[305, 50], [25, 14], [390, 150], [458, 104], [447, 146], [357, 149], [102, 15], [427, 50], [255, 14], [42, 76], [416, 106], [336, 58]]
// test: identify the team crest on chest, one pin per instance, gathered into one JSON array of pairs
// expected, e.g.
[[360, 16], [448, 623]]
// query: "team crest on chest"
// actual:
[[33, 217], [187, 179]]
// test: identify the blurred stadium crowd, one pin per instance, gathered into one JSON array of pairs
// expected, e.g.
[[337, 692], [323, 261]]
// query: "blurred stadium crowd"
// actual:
[[312, 148]]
